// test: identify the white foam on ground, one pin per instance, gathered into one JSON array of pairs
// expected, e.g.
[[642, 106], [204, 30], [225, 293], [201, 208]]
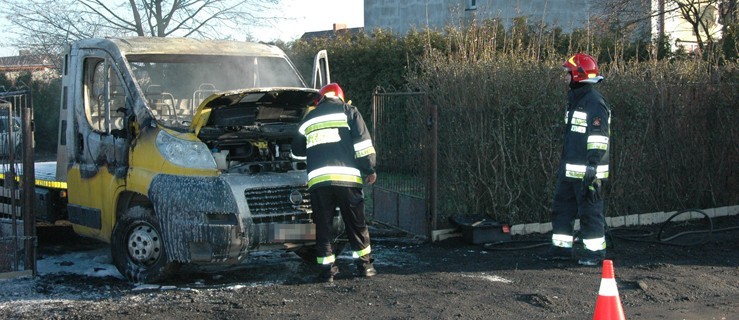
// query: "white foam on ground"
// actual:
[[487, 277]]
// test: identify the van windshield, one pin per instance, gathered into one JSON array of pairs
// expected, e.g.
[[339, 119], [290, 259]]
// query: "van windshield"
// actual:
[[174, 85]]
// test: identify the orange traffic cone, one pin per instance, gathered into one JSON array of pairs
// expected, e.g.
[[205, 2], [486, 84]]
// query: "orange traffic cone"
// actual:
[[608, 306]]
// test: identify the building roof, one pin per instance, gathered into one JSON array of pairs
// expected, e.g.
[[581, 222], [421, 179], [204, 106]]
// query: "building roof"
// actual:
[[24, 62], [337, 30]]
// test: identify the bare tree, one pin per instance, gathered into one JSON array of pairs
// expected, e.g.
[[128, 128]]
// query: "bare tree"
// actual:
[[729, 13], [701, 15], [44, 26]]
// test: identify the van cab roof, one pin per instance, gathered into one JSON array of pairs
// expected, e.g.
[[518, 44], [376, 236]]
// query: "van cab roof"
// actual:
[[158, 45]]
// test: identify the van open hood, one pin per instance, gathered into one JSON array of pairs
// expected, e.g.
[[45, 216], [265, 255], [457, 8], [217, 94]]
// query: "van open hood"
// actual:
[[253, 129], [253, 107]]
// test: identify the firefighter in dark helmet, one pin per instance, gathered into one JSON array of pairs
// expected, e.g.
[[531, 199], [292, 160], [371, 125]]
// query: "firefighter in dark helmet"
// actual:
[[583, 168], [337, 146]]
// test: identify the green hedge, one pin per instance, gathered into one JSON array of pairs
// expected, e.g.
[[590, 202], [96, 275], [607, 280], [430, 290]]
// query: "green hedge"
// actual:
[[361, 63], [46, 102], [501, 99], [674, 143]]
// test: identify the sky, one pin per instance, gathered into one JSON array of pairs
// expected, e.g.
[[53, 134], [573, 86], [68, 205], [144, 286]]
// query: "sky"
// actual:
[[300, 16]]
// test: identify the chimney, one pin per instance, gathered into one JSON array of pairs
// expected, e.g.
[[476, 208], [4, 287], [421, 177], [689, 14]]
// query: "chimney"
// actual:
[[339, 26]]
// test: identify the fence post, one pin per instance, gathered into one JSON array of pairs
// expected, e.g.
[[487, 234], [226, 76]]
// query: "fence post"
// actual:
[[433, 176], [29, 179], [11, 184]]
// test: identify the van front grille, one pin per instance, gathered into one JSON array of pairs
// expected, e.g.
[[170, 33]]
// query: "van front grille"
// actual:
[[283, 204]]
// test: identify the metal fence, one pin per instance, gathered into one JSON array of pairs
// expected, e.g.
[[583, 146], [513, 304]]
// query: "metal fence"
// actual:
[[404, 133], [17, 231]]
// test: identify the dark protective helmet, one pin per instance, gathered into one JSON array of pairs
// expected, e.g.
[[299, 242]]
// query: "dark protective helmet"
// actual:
[[583, 68], [332, 90]]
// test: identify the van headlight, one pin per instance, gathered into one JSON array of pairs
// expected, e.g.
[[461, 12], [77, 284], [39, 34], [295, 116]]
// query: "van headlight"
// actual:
[[185, 153]]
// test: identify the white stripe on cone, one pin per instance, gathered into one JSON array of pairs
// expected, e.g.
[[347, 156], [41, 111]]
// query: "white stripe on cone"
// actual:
[[608, 288]]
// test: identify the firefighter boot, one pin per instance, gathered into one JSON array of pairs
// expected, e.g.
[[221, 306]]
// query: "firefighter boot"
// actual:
[[556, 253], [590, 258], [327, 273], [365, 267]]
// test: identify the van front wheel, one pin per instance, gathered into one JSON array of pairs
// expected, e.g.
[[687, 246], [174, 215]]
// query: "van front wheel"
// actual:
[[137, 247]]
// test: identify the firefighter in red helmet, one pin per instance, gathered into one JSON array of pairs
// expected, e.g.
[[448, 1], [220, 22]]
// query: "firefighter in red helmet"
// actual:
[[583, 168], [334, 140]]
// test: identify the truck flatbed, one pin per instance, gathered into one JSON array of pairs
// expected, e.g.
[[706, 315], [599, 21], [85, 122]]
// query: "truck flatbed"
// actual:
[[45, 173]]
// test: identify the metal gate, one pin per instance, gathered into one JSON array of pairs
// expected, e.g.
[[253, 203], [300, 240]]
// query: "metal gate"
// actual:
[[405, 138], [17, 225]]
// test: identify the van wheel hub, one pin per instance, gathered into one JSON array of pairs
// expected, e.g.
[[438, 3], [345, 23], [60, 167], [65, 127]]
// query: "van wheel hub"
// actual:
[[144, 244]]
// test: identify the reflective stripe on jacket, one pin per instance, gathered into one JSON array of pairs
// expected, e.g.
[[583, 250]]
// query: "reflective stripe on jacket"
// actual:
[[336, 144]]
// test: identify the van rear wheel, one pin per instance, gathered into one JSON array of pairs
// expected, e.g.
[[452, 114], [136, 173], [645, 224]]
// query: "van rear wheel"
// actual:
[[137, 247]]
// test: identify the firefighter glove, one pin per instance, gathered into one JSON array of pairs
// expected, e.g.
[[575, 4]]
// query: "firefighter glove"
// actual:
[[591, 191], [589, 176]]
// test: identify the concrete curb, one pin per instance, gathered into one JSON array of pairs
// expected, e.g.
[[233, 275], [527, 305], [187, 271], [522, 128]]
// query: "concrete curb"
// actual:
[[630, 220], [613, 222]]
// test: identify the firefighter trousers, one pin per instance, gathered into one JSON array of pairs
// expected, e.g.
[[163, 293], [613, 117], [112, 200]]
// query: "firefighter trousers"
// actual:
[[350, 202], [569, 204]]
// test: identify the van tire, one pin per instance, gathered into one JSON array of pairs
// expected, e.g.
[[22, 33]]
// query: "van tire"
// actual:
[[138, 249]]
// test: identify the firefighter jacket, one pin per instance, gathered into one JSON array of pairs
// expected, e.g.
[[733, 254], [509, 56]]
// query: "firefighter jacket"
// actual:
[[336, 144], [586, 133]]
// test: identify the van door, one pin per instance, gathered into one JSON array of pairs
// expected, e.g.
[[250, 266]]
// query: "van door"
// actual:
[[100, 150], [321, 74], [105, 106]]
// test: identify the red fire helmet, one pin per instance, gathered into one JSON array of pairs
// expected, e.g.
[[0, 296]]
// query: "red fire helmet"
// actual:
[[332, 90], [583, 68]]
